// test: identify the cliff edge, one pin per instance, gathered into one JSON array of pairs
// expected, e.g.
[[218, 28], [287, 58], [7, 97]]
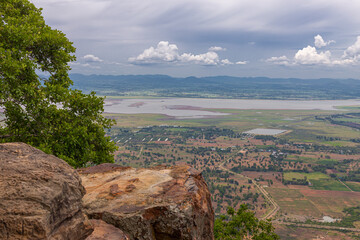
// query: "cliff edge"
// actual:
[[154, 203], [42, 197]]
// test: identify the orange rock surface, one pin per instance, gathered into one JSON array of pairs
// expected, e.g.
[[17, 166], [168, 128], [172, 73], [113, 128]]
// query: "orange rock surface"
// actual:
[[155, 203]]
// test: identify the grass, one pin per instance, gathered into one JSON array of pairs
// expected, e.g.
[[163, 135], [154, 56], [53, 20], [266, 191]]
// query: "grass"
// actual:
[[354, 120], [328, 184], [309, 176], [355, 186], [326, 161], [336, 143], [293, 201], [298, 158], [319, 181], [291, 175], [303, 126], [314, 203], [348, 107]]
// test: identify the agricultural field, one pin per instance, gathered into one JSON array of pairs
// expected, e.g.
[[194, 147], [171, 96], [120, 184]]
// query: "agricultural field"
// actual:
[[309, 171]]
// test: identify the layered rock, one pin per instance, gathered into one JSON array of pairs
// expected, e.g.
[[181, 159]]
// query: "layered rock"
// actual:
[[40, 196], [156, 203]]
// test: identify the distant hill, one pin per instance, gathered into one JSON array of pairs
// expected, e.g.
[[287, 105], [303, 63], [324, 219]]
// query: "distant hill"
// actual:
[[218, 87]]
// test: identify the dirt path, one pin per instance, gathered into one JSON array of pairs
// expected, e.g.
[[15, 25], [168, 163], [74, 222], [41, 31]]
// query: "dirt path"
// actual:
[[276, 207], [345, 185], [138, 156]]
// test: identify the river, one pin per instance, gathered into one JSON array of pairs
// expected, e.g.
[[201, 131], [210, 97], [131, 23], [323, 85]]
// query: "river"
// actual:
[[199, 107]]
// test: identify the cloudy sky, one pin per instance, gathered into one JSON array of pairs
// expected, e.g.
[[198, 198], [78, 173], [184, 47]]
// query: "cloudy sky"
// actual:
[[273, 38]]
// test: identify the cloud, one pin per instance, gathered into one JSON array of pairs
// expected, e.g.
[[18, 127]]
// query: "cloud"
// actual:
[[276, 26], [234, 15], [310, 56], [283, 60], [226, 62], [319, 41], [165, 52], [92, 58], [241, 62], [209, 58], [84, 65], [353, 52], [216, 49]]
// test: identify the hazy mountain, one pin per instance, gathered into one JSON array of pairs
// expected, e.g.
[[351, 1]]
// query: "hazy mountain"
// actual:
[[218, 87]]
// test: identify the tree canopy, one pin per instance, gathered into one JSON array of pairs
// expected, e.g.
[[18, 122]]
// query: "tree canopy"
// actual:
[[243, 224], [44, 111]]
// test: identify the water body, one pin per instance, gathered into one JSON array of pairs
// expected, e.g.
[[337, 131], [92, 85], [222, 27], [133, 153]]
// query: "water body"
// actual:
[[198, 107], [266, 131]]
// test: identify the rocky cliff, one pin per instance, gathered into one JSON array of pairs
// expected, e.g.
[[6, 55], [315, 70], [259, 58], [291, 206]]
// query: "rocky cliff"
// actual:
[[155, 203], [42, 197]]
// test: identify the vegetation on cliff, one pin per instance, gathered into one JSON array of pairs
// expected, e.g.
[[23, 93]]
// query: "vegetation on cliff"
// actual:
[[46, 112], [243, 224]]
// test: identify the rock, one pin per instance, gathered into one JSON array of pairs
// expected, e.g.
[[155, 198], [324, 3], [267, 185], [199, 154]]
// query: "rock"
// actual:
[[104, 231], [157, 203], [40, 196]]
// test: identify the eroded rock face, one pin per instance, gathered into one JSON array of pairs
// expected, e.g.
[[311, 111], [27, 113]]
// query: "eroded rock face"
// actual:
[[40, 196], [104, 231], [156, 203]]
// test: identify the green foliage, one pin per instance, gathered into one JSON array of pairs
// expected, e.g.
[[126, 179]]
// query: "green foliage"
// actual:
[[243, 224], [46, 113], [352, 215]]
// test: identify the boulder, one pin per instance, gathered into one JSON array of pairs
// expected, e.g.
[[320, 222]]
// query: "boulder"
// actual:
[[159, 203], [40, 196]]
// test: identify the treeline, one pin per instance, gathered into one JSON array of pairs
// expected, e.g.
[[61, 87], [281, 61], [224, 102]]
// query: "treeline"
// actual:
[[333, 119], [296, 181]]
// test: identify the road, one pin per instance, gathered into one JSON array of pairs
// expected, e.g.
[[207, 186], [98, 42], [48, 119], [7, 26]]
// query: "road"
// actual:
[[276, 207], [345, 185], [138, 156]]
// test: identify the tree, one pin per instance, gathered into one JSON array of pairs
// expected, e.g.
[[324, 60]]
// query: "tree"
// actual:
[[46, 112], [243, 225]]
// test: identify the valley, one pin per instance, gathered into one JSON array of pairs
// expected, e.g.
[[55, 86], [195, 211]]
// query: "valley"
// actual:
[[306, 172]]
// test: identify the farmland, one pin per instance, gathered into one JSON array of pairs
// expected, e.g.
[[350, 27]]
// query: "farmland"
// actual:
[[309, 171]]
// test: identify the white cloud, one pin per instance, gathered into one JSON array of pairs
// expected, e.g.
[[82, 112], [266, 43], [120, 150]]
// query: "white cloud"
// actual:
[[309, 55], [169, 53], [216, 49], [203, 14], [164, 52], [241, 62], [353, 52], [226, 62], [283, 60], [319, 41], [209, 58], [92, 58], [83, 65]]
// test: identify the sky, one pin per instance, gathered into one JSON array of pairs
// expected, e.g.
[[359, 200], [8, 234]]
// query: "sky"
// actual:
[[180, 38]]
